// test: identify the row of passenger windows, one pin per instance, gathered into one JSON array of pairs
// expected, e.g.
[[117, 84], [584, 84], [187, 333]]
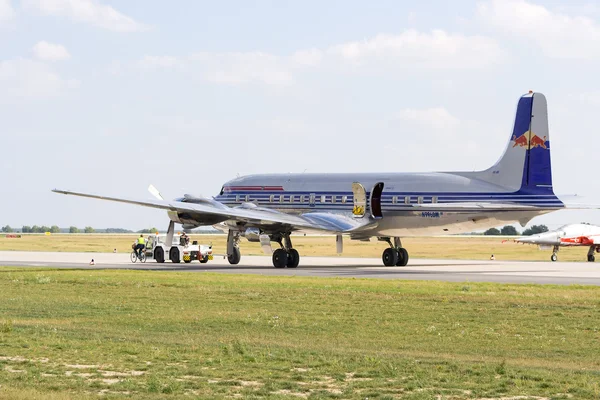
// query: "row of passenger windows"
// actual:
[[332, 199], [408, 199], [304, 198], [298, 198]]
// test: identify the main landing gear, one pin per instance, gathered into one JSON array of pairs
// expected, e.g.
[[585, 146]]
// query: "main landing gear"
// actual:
[[590, 254], [396, 255], [286, 256]]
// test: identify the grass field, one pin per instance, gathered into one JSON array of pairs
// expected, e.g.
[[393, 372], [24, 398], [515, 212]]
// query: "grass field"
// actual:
[[478, 248], [77, 334]]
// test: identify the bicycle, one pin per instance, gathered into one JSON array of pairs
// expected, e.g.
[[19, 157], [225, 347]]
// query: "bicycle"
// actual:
[[134, 256]]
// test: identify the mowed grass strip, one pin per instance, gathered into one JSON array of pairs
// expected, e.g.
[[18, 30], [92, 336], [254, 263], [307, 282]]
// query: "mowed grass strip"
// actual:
[[452, 247], [71, 334]]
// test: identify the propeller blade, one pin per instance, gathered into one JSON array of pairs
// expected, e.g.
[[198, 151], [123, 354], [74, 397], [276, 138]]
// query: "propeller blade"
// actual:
[[154, 192]]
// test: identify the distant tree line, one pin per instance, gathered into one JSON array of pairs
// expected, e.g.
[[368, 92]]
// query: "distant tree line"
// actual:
[[40, 229], [88, 229], [55, 229], [151, 230], [509, 230]]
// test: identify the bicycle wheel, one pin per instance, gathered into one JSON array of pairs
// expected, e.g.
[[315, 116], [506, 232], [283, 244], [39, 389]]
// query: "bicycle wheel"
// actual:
[[143, 259], [133, 257]]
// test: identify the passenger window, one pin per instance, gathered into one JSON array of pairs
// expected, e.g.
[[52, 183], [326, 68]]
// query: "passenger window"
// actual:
[[281, 198], [271, 198], [407, 200], [323, 199], [237, 198], [291, 198], [394, 199], [434, 199], [344, 199], [247, 198], [333, 199], [420, 200], [302, 199]]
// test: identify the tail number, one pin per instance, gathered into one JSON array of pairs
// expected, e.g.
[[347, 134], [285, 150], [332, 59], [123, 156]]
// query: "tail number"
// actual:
[[431, 214]]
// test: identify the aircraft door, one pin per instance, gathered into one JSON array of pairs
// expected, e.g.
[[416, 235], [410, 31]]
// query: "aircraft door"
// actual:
[[376, 200], [360, 200]]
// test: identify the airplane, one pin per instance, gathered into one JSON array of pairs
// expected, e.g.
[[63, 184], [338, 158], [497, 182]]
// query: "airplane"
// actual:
[[567, 235], [388, 206]]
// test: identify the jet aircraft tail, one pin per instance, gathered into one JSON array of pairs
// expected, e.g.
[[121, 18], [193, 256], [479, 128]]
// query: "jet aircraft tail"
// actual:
[[525, 164]]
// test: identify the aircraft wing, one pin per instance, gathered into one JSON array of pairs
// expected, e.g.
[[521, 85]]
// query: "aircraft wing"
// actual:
[[325, 222]]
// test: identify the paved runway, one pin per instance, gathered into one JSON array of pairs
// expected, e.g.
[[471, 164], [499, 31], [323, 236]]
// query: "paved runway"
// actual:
[[562, 273]]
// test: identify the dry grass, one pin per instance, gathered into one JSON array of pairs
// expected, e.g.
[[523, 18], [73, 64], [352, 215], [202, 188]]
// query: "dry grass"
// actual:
[[456, 247]]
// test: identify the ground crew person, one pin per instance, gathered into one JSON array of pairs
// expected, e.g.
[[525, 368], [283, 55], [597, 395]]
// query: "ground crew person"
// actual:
[[141, 244]]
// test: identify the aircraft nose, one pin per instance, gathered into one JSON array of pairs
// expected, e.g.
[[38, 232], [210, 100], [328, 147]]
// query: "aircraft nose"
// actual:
[[541, 238]]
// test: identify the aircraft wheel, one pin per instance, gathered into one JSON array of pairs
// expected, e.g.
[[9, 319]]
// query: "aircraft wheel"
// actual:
[[293, 258], [591, 258], [187, 261], [159, 255], [553, 257], [280, 258], [235, 257], [204, 260], [174, 255], [389, 257], [402, 257]]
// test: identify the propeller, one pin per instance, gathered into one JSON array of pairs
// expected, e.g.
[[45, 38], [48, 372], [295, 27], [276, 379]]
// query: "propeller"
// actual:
[[154, 192]]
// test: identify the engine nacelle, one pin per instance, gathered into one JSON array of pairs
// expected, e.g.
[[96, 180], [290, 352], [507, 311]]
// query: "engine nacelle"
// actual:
[[252, 234], [189, 227], [190, 198], [192, 219]]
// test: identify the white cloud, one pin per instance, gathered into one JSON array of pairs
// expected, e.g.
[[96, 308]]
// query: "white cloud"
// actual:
[[441, 133], [243, 68], [409, 50], [50, 52], [558, 35], [6, 10], [87, 11], [23, 78], [160, 62], [413, 49], [308, 58]]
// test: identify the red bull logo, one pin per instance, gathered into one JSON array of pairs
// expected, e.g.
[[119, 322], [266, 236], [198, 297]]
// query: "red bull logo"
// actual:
[[529, 140]]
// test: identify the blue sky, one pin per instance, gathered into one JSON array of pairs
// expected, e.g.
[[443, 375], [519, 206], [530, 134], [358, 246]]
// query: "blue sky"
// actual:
[[109, 97]]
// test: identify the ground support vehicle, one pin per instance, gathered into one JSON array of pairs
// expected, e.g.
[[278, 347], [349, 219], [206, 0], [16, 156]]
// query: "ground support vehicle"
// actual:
[[157, 248]]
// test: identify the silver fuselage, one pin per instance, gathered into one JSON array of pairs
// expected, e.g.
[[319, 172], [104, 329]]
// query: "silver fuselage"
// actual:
[[331, 193]]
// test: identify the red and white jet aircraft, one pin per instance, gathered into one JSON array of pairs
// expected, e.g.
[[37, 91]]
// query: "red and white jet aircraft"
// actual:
[[568, 235]]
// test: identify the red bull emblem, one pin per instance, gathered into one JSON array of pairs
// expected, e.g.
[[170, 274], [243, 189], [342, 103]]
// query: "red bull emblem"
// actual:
[[534, 141]]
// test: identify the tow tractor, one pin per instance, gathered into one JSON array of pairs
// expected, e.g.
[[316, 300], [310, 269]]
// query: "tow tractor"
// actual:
[[157, 247]]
